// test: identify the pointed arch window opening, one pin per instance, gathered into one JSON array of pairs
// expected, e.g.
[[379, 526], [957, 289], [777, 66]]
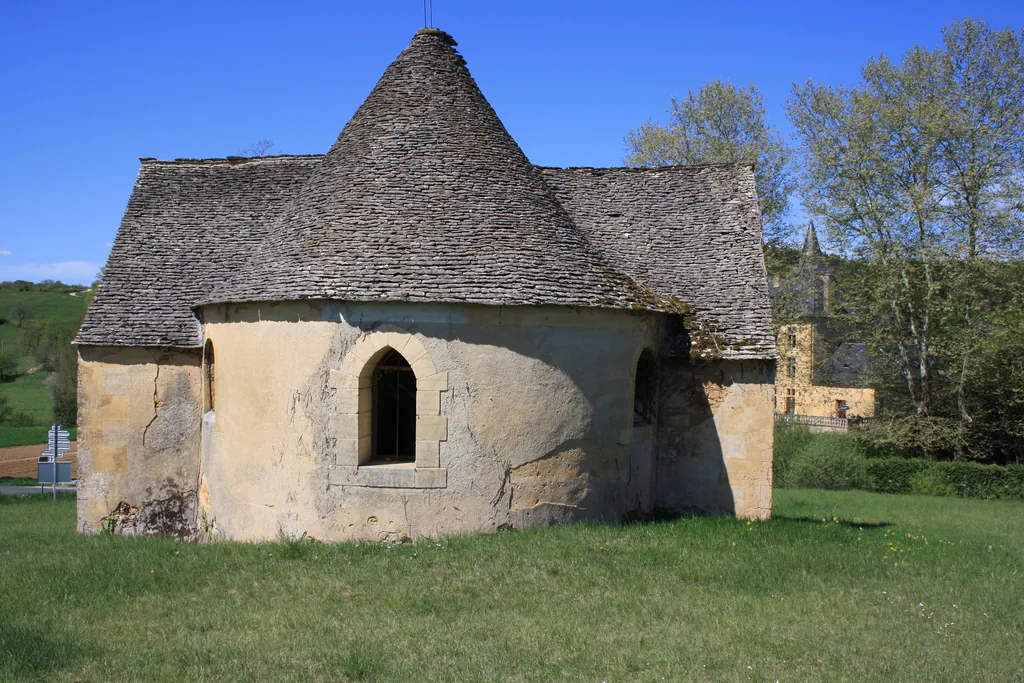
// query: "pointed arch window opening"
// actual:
[[209, 377], [394, 411]]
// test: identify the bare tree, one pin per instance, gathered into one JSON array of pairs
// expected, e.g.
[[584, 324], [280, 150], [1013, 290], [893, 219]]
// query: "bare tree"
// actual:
[[260, 148]]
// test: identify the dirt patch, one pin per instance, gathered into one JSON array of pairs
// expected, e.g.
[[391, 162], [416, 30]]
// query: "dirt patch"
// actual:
[[21, 461]]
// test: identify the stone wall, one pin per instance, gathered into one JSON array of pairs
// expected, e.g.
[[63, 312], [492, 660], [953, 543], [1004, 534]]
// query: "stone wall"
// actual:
[[810, 351], [715, 437], [524, 418], [138, 440]]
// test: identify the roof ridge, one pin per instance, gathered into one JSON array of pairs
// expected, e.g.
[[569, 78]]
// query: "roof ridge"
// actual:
[[224, 161], [653, 169]]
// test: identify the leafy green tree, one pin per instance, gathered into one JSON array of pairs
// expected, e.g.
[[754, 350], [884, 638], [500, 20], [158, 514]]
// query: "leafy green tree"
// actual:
[[8, 367], [63, 385], [721, 123], [915, 173], [20, 311]]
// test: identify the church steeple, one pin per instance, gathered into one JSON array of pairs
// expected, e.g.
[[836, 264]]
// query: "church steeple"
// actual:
[[811, 247]]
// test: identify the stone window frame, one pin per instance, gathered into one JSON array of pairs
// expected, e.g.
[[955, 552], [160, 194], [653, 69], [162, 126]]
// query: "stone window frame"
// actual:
[[352, 382], [790, 401]]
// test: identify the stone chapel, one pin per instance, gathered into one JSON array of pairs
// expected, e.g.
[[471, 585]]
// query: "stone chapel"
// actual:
[[420, 333]]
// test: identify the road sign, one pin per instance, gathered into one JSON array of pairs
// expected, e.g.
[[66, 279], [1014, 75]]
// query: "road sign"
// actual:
[[58, 443]]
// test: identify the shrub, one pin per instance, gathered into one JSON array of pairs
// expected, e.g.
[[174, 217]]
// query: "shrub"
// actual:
[[790, 439], [830, 461], [974, 480], [963, 479], [893, 475], [930, 481]]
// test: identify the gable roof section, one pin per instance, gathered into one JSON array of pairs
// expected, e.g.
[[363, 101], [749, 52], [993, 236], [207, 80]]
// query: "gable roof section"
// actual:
[[426, 197], [692, 233], [188, 224]]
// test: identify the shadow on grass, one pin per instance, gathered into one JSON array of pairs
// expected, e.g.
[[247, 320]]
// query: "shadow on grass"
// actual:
[[841, 522], [30, 651]]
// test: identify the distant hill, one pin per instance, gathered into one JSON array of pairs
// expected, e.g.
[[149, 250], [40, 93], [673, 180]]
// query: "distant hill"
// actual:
[[42, 304]]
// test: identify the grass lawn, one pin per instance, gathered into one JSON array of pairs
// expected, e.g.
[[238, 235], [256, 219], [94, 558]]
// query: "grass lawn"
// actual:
[[839, 586], [28, 436], [18, 481], [30, 394]]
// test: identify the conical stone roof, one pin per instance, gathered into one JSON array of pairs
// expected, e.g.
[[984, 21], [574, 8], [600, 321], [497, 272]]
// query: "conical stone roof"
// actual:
[[426, 197]]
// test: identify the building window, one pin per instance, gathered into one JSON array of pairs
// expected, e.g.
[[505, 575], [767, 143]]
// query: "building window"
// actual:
[[791, 337], [841, 407], [394, 410], [209, 377], [645, 389], [791, 368], [790, 402]]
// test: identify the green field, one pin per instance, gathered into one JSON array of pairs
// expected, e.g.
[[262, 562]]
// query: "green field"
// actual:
[[29, 393], [839, 586], [27, 436]]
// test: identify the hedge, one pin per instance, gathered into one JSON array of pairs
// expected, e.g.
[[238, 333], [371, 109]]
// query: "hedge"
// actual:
[[963, 479]]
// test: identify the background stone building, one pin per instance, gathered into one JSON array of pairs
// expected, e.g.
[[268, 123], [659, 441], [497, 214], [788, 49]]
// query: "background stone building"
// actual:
[[821, 372], [421, 333]]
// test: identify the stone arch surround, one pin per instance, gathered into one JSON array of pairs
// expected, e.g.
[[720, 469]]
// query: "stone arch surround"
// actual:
[[352, 380]]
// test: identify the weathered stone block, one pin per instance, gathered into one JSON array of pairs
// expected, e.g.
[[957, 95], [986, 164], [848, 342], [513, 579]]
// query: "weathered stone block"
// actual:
[[432, 427], [428, 453]]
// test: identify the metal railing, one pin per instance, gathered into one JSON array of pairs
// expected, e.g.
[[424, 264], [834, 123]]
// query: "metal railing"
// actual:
[[814, 420]]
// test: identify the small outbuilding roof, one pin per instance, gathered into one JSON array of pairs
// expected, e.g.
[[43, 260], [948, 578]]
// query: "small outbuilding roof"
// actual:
[[426, 197]]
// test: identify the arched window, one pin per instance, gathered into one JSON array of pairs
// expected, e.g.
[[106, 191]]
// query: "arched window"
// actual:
[[645, 391], [394, 410], [209, 377]]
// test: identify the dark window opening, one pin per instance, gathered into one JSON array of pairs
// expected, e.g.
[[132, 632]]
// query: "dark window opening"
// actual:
[[791, 368], [645, 389], [790, 402], [394, 410], [792, 337], [209, 376], [841, 407]]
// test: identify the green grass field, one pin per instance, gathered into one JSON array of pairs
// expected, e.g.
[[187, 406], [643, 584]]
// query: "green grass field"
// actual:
[[839, 586], [29, 393], [27, 436]]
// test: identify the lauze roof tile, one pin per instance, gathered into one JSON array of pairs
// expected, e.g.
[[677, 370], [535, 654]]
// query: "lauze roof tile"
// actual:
[[426, 197]]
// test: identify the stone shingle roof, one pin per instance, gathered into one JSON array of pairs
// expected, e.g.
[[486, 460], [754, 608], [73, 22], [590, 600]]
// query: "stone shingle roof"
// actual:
[[425, 197], [848, 365], [692, 233], [189, 223]]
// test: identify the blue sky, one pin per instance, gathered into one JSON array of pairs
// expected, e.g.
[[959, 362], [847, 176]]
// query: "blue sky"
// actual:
[[88, 88]]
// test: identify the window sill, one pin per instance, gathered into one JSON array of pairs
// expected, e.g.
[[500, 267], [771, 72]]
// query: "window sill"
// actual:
[[402, 475]]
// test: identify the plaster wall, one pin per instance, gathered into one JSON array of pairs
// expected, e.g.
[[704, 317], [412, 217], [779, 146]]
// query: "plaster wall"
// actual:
[[533, 424], [138, 440], [715, 437]]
